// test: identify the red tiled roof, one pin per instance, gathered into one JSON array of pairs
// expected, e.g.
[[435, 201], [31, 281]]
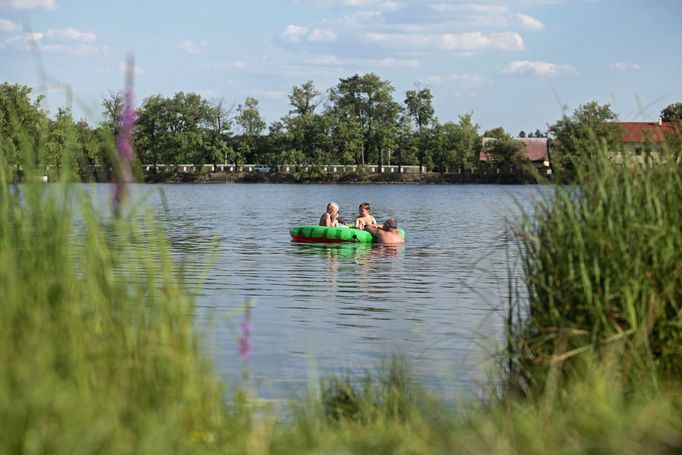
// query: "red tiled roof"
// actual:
[[638, 132], [536, 148]]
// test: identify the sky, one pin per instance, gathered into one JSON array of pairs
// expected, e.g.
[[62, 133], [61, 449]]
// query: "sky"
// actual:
[[518, 64]]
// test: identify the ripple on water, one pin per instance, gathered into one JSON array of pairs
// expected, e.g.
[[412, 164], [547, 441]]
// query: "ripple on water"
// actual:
[[436, 300]]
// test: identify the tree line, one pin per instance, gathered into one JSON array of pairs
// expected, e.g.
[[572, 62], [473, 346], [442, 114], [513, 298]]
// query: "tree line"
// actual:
[[358, 121]]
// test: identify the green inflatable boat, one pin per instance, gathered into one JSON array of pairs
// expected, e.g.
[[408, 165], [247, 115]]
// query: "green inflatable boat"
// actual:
[[326, 234]]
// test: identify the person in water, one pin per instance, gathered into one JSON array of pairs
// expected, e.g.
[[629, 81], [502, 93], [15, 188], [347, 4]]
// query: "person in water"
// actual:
[[331, 216], [364, 218], [387, 233]]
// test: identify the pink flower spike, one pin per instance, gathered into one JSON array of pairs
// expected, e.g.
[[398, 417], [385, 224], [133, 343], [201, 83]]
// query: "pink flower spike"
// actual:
[[124, 140], [245, 335]]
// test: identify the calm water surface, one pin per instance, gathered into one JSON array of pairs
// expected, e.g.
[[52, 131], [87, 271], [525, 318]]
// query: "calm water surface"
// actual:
[[437, 300]]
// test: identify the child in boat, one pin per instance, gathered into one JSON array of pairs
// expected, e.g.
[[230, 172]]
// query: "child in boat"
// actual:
[[364, 218], [331, 216]]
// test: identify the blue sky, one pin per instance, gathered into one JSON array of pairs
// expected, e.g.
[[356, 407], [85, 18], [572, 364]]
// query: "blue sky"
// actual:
[[512, 63]]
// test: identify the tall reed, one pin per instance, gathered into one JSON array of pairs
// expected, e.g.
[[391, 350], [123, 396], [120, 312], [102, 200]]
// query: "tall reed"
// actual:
[[603, 265], [97, 349]]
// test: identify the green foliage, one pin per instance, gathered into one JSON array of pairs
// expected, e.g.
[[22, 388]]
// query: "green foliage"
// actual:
[[185, 129], [21, 123], [456, 144], [304, 99], [574, 137], [672, 113], [303, 133], [386, 413], [419, 108], [112, 106], [97, 348], [362, 106], [497, 133], [507, 152], [98, 352], [604, 271]]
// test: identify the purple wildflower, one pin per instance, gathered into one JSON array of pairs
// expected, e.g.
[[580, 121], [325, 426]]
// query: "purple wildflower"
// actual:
[[244, 339], [124, 140], [244, 342]]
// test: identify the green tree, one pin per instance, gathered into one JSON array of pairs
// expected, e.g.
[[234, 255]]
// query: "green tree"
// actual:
[[189, 124], [182, 129], [507, 151], [673, 136], [309, 133], [407, 147], [503, 150], [89, 149], [152, 132], [218, 131], [251, 123], [496, 133], [348, 138], [438, 143], [575, 137], [419, 105], [672, 113], [467, 143], [304, 99], [61, 148], [112, 106], [365, 104], [22, 122]]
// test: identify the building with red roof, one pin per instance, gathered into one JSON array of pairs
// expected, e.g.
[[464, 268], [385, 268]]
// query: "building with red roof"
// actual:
[[639, 137], [536, 149]]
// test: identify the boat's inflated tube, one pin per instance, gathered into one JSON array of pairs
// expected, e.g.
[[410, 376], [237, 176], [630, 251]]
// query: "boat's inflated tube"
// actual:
[[328, 234]]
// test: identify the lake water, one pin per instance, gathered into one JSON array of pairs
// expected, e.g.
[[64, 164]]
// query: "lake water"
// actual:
[[437, 301]]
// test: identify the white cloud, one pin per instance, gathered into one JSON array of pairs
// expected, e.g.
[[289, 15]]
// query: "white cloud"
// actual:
[[538, 68], [388, 62], [28, 4], [298, 33], [71, 49], [622, 66], [63, 41], [34, 37], [70, 34], [7, 25], [229, 66], [450, 41], [360, 18], [486, 16], [530, 23], [318, 35], [465, 81], [381, 4], [191, 47], [478, 40], [294, 33], [470, 8]]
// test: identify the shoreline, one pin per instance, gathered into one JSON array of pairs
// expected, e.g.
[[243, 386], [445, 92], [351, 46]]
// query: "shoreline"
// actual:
[[429, 178]]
